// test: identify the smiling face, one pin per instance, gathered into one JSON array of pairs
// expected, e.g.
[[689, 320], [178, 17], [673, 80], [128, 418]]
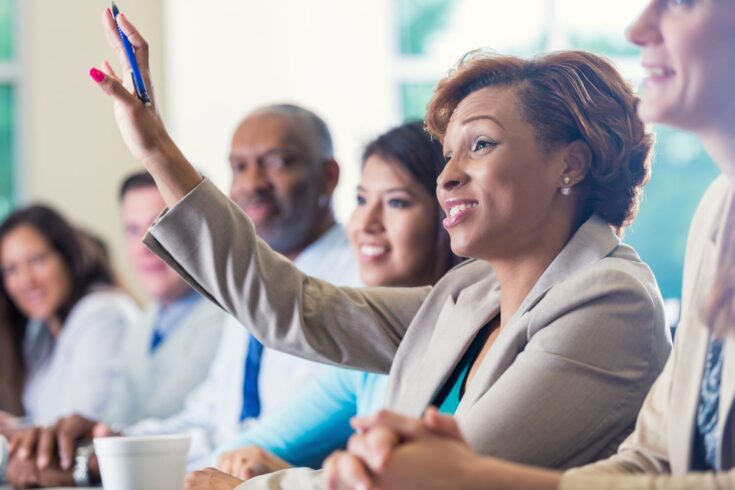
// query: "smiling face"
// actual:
[[688, 48], [500, 187], [393, 227], [35, 275], [140, 207], [277, 179]]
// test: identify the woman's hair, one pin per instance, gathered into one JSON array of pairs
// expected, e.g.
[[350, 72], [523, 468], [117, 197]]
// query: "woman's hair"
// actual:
[[411, 147], [87, 261], [566, 96]]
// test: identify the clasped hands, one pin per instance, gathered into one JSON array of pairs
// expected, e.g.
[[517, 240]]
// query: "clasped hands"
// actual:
[[391, 451], [44, 456]]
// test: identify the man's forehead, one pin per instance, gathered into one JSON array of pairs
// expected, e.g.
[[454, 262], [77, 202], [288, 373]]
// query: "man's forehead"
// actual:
[[268, 131]]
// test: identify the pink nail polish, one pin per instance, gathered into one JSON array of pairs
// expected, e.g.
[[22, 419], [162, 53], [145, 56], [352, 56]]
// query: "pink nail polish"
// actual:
[[96, 75]]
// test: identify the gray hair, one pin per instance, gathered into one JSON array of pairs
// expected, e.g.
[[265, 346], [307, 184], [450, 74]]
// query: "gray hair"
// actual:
[[319, 135]]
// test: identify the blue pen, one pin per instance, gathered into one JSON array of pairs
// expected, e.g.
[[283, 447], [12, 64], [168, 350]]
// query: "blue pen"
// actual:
[[138, 82]]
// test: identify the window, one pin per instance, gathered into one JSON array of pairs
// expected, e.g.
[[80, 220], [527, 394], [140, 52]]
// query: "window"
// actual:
[[433, 34], [8, 76]]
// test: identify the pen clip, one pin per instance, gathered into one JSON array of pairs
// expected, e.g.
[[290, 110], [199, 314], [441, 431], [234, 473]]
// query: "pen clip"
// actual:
[[143, 97]]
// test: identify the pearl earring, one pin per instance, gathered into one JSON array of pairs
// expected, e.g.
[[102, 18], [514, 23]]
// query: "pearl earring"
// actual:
[[567, 189]]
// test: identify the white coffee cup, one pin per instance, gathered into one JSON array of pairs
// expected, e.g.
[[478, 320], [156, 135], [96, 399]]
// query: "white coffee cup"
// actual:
[[142, 463]]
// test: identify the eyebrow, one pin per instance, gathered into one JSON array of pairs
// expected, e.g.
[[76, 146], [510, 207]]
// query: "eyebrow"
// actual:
[[482, 116], [278, 149], [392, 189]]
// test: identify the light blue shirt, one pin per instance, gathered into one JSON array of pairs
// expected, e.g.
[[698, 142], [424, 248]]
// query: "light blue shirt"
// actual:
[[317, 421]]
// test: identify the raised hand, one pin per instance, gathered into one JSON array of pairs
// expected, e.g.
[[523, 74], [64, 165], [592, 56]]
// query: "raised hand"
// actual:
[[141, 127]]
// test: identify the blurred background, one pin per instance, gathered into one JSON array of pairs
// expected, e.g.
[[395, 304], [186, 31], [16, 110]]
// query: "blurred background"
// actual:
[[362, 65]]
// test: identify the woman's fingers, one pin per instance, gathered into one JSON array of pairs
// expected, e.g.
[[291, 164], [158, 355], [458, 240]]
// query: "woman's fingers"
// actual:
[[343, 471], [113, 39], [405, 427], [113, 87], [374, 447], [140, 45], [441, 424]]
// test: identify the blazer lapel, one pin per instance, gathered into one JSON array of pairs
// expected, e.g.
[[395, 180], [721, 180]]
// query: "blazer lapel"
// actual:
[[457, 326], [593, 241], [693, 355]]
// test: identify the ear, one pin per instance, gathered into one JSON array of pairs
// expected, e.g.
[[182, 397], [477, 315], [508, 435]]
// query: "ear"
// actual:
[[577, 162], [330, 168]]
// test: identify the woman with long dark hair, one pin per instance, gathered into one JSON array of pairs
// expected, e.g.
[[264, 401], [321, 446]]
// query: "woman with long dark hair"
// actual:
[[62, 318], [398, 239]]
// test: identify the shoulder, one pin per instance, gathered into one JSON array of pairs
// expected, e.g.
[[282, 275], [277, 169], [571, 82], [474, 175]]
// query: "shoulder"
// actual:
[[618, 290], [104, 306], [465, 274]]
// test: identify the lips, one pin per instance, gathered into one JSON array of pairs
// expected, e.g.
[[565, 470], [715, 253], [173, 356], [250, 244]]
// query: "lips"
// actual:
[[656, 72], [372, 252], [457, 210], [259, 211]]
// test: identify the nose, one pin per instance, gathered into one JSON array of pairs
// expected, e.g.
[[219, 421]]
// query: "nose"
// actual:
[[645, 29], [370, 218], [452, 177]]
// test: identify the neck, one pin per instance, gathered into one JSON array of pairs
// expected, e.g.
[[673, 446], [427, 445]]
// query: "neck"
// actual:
[[720, 144], [519, 273], [322, 226], [54, 326], [173, 298]]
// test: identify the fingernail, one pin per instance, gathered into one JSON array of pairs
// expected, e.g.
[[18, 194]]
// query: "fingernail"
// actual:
[[23, 454], [65, 464], [109, 11], [96, 75], [42, 461]]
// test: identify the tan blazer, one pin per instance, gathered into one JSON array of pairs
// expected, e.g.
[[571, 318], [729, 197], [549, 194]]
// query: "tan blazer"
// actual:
[[663, 438], [561, 386]]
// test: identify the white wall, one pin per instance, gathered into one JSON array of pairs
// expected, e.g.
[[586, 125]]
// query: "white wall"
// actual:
[[70, 153], [227, 57]]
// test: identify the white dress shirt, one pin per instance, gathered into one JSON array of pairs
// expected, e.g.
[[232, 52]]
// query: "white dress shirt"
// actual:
[[155, 383], [75, 372], [212, 412]]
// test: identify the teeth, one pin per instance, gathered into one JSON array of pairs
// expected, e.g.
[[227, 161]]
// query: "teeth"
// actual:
[[657, 71], [454, 210], [372, 250]]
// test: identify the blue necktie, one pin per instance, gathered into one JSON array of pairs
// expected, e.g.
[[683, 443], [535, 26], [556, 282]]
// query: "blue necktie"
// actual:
[[158, 335], [250, 396]]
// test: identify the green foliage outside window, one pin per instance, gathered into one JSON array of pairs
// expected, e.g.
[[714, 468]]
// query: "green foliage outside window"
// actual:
[[6, 149], [6, 29], [419, 20]]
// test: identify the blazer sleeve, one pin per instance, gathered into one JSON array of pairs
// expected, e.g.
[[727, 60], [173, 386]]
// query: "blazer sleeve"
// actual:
[[573, 393], [207, 239]]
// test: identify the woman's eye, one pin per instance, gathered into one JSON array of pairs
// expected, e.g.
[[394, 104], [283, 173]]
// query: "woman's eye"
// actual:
[[680, 3], [361, 201], [482, 143], [398, 203]]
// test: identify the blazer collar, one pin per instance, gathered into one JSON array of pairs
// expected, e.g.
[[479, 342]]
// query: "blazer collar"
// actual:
[[458, 324], [691, 346], [593, 240]]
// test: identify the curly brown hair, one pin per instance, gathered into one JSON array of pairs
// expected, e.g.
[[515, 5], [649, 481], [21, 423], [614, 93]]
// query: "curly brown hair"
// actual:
[[566, 96]]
